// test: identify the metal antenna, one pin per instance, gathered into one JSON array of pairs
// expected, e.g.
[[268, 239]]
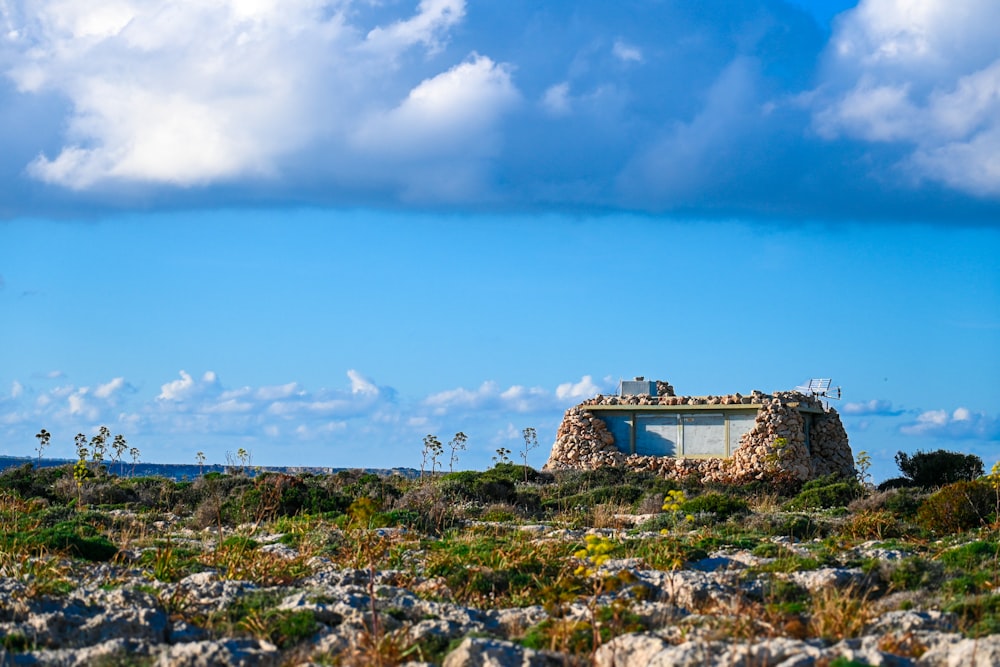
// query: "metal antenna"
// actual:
[[820, 387]]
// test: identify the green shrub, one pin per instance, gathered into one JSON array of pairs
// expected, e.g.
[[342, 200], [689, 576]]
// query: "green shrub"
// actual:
[[970, 584], [76, 539], [400, 517], [978, 616], [828, 491], [239, 542], [723, 506], [15, 642], [799, 526], [904, 503], [29, 482], [487, 487], [972, 555], [940, 467], [771, 550], [958, 507], [895, 483], [627, 494], [784, 596], [912, 573]]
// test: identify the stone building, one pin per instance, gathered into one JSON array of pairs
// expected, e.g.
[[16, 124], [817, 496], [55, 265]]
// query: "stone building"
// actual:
[[732, 438]]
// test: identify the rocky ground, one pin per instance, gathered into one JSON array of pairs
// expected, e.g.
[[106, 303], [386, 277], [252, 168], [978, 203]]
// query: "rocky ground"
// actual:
[[702, 612]]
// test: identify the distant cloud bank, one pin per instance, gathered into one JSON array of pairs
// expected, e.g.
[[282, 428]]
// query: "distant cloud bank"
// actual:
[[959, 424], [715, 108], [202, 409]]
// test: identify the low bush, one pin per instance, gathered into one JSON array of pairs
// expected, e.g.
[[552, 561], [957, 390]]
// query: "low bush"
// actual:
[[76, 539], [902, 502], [896, 483], [978, 616], [871, 525], [972, 555], [721, 505], [828, 491], [799, 526], [912, 574], [29, 482], [958, 507], [940, 467]]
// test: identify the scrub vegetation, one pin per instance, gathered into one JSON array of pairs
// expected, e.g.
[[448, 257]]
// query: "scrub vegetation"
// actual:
[[473, 538]]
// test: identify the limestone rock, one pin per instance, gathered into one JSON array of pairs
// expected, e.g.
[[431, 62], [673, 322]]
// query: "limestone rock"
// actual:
[[479, 652]]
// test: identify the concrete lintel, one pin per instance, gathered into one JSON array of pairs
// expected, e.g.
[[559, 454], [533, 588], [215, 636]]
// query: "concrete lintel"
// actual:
[[672, 408]]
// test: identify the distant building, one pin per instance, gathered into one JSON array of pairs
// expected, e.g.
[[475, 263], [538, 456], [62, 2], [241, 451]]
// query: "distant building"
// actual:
[[723, 438]]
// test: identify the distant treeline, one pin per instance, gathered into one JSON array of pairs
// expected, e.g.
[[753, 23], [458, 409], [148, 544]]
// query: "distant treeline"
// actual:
[[184, 471]]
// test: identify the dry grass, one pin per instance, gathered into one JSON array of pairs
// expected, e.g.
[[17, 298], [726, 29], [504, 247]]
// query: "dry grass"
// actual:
[[840, 614], [616, 516], [764, 503]]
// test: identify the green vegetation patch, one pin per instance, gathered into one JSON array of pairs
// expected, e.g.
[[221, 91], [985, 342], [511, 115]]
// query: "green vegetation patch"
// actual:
[[721, 505], [973, 555], [825, 492], [73, 537], [979, 616], [958, 507]]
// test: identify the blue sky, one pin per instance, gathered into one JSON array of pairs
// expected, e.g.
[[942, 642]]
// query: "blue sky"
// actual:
[[322, 231]]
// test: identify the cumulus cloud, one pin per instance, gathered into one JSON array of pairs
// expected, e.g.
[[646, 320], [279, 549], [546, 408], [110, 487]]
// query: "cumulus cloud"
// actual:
[[873, 407], [187, 387], [86, 404], [202, 406], [108, 389], [706, 108], [926, 76], [578, 391], [960, 423], [444, 113], [428, 27], [490, 396], [209, 91], [218, 91]]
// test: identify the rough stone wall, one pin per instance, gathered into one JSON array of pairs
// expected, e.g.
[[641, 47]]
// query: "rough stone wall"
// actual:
[[831, 451], [774, 447], [583, 441]]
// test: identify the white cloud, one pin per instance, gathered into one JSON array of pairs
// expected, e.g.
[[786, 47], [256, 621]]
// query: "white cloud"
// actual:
[[960, 423], [108, 389], [517, 398], [361, 385], [277, 392], [874, 406], [486, 394], [523, 399], [361, 421], [556, 100], [444, 114], [924, 74], [185, 93], [427, 27], [187, 388], [191, 93], [626, 52], [578, 391]]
